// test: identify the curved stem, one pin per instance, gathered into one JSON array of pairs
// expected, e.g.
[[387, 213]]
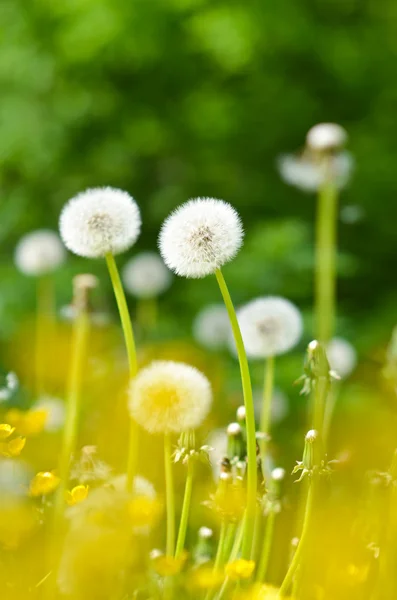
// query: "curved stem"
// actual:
[[301, 546], [325, 270], [132, 359], [180, 544], [267, 544], [249, 527], [267, 403], [169, 494]]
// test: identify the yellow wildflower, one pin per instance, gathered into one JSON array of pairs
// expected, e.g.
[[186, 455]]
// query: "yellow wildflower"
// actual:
[[259, 592], [77, 494], [14, 447], [240, 569], [28, 423], [168, 565], [6, 430], [43, 483], [206, 578]]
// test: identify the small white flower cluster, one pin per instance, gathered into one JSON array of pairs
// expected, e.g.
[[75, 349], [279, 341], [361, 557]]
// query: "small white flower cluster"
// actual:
[[99, 221], [200, 236], [269, 326], [169, 397], [146, 276], [39, 253]]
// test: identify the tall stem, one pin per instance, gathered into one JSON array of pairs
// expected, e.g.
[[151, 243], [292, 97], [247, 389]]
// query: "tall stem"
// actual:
[[132, 360], [250, 420], [219, 554], [326, 260], [267, 544], [180, 544], [169, 494], [79, 350], [297, 559], [267, 404]]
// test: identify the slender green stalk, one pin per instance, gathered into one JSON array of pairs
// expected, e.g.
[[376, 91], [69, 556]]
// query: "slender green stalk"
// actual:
[[44, 321], [297, 559], [267, 544], [79, 351], [230, 537], [180, 544], [220, 552], [233, 555], [325, 271], [132, 359], [169, 494], [267, 404], [248, 535]]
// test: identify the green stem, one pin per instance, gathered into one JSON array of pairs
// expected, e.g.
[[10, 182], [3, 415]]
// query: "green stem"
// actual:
[[169, 494], [326, 227], [180, 544], [248, 535], [321, 390], [267, 544], [132, 360], [230, 537], [301, 545], [267, 403], [233, 556], [219, 554]]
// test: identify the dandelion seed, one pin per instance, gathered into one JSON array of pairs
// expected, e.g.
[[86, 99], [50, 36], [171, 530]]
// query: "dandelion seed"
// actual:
[[170, 397], [342, 356], [43, 483], [146, 276], [99, 221], [211, 327], [88, 468], [200, 236], [269, 326], [39, 253]]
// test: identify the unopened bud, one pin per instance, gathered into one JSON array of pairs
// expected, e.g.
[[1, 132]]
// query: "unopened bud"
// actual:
[[235, 441], [241, 414], [312, 453], [83, 285]]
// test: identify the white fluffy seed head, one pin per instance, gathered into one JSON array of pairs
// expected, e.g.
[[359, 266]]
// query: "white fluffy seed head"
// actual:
[[146, 276], [205, 533], [342, 356], [39, 252], [308, 174], [55, 409], [269, 326], [278, 474], [211, 327], [326, 136], [170, 397], [233, 429], [200, 236], [100, 221]]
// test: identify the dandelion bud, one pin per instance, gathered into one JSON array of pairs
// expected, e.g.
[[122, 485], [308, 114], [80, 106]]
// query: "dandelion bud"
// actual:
[[241, 414], [39, 253], [312, 453], [146, 276], [236, 446], [169, 397], [316, 360], [200, 236], [82, 287], [326, 137], [204, 547], [99, 221], [269, 326]]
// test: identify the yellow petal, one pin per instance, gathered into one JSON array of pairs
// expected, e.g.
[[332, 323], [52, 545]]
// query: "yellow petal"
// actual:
[[15, 446], [77, 494], [6, 430], [240, 569], [43, 483]]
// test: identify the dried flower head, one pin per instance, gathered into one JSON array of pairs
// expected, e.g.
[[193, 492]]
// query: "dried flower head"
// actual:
[[39, 252], [342, 356], [146, 276], [168, 396], [100, 221], [326, 137], [269, 326], [211, 327], [200, 236]]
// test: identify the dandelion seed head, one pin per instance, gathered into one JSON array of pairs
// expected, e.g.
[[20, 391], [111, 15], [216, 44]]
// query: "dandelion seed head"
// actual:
[[55, 410], [308, 174], [211, 327], [200, 236], [205, 533], [326, 136], [169, 397], [39, 253], [342, 356], [278, 474], [146, 276], [269, 326], [100, 221]]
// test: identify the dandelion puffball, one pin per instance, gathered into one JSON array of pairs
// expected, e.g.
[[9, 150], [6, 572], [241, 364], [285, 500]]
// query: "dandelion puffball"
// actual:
[[326, 136], [342, 356], [308, 174], [146, 276], [169, 397], [269, 326], [99, 221], [211, 327], [39, 252], [200, 236]]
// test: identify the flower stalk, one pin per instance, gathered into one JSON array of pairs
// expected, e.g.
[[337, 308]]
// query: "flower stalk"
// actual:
[[267, 404]]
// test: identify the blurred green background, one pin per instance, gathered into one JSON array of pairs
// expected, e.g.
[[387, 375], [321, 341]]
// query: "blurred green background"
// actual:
[[171, 99]]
